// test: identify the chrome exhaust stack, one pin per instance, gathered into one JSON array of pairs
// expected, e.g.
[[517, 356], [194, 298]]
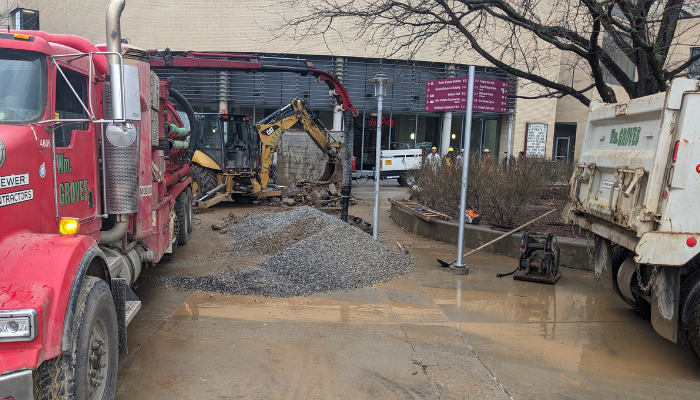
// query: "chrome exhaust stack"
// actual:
[[121, 145]]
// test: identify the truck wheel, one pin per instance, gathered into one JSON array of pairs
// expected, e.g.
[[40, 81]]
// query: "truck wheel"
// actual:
[[640, 306], [690, 315], [89, 370], [688, 284], [203, 180], [182, 207], [189, 210], [402, 180]]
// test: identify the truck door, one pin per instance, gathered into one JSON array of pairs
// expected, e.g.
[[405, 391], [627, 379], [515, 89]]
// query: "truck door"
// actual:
[[75, 159]]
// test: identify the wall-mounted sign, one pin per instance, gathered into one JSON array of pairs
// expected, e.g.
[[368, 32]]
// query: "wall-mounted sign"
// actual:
[[451, 95], [372, 122], [535, 140]]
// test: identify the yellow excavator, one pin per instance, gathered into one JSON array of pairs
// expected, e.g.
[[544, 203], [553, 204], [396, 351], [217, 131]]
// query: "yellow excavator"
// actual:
[[233, 160]]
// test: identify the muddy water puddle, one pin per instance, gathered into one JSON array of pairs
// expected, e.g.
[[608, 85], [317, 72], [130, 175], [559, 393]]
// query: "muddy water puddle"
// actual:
[[299, 309]]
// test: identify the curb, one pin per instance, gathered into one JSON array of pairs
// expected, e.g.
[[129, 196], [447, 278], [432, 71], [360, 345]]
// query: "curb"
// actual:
[[574, 252]]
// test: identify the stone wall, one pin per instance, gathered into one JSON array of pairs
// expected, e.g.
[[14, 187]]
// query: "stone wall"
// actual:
[[298, 158]]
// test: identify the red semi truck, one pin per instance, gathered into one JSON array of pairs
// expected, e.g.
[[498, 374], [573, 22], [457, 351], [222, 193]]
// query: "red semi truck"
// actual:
[[94, 184]]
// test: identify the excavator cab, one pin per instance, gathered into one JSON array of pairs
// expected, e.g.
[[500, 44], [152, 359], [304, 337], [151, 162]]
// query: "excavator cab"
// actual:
[[228, 140]]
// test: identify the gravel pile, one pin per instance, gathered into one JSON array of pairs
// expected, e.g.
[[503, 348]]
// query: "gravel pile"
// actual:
[[315, 253]]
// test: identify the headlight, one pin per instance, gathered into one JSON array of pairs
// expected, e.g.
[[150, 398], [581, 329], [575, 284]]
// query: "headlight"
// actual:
[[18, 325]]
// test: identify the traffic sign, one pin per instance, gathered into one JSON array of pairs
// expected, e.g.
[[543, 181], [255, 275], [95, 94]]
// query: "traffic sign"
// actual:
[[451, 95]]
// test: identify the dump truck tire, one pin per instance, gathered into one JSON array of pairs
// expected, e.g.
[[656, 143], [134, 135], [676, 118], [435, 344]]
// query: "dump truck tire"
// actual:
[[203, 180], [641, 307], [690, 314]]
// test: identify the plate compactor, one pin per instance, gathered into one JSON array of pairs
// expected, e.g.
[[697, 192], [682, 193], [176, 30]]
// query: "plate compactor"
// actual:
[[539, 259]]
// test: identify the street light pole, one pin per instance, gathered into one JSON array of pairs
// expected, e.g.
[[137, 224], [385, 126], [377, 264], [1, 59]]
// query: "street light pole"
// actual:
[[380, 81], [465, 174]]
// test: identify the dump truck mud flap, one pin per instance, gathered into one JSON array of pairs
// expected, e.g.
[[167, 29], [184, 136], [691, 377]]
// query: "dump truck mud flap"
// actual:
[[603, 263], [665, 299]]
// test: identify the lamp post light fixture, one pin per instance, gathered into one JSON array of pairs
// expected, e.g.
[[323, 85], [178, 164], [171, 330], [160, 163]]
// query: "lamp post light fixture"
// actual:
[[380, 81]]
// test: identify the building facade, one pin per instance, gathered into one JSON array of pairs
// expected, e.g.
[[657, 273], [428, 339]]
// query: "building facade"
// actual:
[[246, 26]]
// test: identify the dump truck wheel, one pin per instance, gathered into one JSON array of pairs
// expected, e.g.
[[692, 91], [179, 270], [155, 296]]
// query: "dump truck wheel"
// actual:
[[203, 180], [641, 307], [690, 315], [688, 283], [89, 369], [182, 209]]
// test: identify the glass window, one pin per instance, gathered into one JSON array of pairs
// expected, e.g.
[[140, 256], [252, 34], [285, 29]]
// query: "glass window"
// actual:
[[22, 87], [694, 69], [428, 132], [68, 106], [404, 126], [492, 135]]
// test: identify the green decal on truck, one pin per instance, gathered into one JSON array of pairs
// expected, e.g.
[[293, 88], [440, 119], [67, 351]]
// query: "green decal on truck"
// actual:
[[73, 192], [63, 164], [626, 136]]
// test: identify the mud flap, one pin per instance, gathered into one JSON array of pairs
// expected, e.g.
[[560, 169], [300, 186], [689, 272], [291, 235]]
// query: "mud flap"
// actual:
[[665, 298], [119, 297], [603, 263]]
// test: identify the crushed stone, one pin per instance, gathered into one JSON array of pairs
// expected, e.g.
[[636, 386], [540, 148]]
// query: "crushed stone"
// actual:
[[313, 252]]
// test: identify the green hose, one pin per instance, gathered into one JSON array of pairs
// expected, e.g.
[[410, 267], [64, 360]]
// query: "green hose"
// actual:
[[181, 132]]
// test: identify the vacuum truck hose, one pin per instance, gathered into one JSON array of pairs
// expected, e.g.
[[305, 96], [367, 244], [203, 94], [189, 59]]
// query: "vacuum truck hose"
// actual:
[[194, 125]]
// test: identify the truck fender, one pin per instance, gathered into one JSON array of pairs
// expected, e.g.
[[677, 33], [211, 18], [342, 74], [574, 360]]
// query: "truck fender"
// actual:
[[93, 263], [44, 272]]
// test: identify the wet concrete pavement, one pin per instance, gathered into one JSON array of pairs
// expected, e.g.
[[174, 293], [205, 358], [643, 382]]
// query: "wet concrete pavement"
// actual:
[[430, 334]]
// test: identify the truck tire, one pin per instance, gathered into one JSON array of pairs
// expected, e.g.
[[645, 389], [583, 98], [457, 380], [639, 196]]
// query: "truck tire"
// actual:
[[640, 306], [182, 208], [402, 180], [690, 314], [189, 210], [74, 375], [203, 180]]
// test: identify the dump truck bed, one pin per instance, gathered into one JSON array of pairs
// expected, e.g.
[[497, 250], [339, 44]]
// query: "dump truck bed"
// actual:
[[636, 182]]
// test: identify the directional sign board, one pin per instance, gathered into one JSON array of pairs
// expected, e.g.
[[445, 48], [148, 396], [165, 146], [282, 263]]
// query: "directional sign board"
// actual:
[[451, 95]]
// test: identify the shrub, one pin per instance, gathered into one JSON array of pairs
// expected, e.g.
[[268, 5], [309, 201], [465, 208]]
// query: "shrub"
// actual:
[[499, 191]]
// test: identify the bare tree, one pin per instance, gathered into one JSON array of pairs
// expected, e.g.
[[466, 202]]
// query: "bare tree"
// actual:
[[639, 44], [5, 15]]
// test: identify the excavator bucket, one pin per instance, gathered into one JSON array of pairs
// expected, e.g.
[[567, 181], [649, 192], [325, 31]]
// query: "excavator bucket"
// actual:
[[333, 172]]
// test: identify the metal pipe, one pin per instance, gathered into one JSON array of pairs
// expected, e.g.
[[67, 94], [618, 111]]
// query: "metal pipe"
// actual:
[[465, 171], [114, 38], [118, 230], [348, 139], [379, 81], [362, 149]]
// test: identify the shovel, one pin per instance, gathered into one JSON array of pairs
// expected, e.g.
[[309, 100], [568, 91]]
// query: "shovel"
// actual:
[[446, 264]]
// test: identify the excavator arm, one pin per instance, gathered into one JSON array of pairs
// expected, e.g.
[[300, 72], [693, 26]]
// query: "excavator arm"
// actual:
[[272, 127]]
